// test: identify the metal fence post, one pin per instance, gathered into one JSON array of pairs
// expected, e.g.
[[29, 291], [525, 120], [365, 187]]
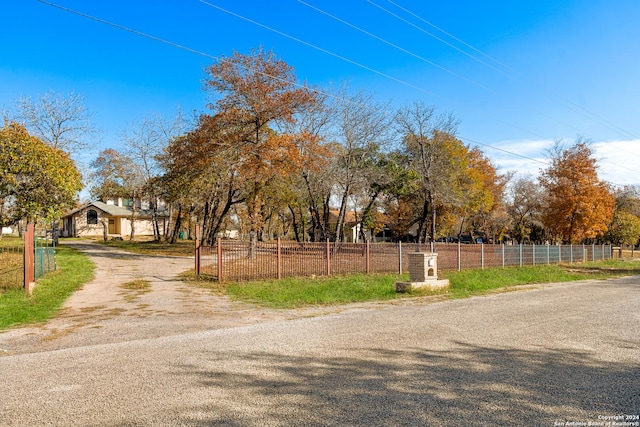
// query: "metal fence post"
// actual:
[[548, 254], [219, 244], [571, 253], [520, 253], [503, 245], [197, 250], [458, 254], [368, 256], [399, 257], [482, 255], [279, 274], [328, 258], [533, 254], [28, 260]]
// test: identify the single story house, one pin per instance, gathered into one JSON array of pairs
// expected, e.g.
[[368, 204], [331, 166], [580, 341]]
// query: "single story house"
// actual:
[[91, 218]]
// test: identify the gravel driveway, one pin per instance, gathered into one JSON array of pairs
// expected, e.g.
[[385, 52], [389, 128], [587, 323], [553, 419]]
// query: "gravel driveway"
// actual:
[[106, 310]]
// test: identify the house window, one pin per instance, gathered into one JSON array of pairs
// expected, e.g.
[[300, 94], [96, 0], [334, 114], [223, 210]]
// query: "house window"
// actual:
[[92, 217]]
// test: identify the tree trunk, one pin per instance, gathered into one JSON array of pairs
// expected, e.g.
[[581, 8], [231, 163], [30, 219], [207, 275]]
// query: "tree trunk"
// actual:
[[295, 224], [178, 225], [105, 230], [133, 219], [316, 221], [154, 221], [341, 215], [366, 212], [422, 221]]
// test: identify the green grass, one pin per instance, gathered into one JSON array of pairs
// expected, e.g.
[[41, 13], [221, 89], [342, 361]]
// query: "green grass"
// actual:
[[301, 292], [50, 292], [476, 282], [298, 292]]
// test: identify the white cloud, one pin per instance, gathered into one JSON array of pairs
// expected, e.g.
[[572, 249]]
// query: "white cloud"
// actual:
[[525, 157], [619, 161]]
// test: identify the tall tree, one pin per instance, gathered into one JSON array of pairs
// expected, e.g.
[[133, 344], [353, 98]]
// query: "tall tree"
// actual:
[[314, 184], [525, 208], [36, 180], [201, 176], [429, 145], [257, 94], [117, 175], [625, 224], [578, 204], [61, 121], [398, 194], [485, 196], [362, 131], [144, 142]]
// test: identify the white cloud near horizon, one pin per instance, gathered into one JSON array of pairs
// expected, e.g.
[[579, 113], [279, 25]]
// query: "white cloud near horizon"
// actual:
[[618, 160]]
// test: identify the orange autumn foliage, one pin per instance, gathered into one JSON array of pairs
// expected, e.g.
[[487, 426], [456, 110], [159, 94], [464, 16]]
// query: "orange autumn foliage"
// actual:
[[579, 205], [258, 97]]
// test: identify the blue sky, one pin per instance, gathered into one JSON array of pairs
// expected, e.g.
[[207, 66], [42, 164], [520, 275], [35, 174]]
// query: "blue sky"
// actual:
[[517, 74]]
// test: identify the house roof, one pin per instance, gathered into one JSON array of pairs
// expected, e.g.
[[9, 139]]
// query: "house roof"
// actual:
[[108, 209], [349, 217]]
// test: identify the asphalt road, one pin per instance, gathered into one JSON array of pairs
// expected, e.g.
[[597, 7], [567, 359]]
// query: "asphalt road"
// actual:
[[540, 357]]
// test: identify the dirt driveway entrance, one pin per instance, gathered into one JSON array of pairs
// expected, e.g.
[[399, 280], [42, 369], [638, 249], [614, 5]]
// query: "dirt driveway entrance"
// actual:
[[108, 309]]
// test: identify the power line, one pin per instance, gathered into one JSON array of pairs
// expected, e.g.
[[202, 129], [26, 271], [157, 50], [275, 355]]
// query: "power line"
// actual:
[[361, 65], [121, 27], [512, 74], [179, 46], [460, 76], [395, 46], [526, 157], [452, 46], [503, 150], [380, 73]]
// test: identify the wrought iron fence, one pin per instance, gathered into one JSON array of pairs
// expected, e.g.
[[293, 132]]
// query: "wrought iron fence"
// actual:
[[242, 260]]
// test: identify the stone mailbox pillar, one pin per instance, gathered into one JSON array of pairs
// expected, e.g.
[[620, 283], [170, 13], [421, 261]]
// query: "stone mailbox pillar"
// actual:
[[423, 272]]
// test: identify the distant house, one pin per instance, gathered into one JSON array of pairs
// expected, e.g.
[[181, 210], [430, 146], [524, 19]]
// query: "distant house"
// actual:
[[91, 219], [353, 225]]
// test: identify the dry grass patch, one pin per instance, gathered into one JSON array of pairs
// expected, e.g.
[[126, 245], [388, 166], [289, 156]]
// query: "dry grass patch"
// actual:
[[137, 285], [135, 289]]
